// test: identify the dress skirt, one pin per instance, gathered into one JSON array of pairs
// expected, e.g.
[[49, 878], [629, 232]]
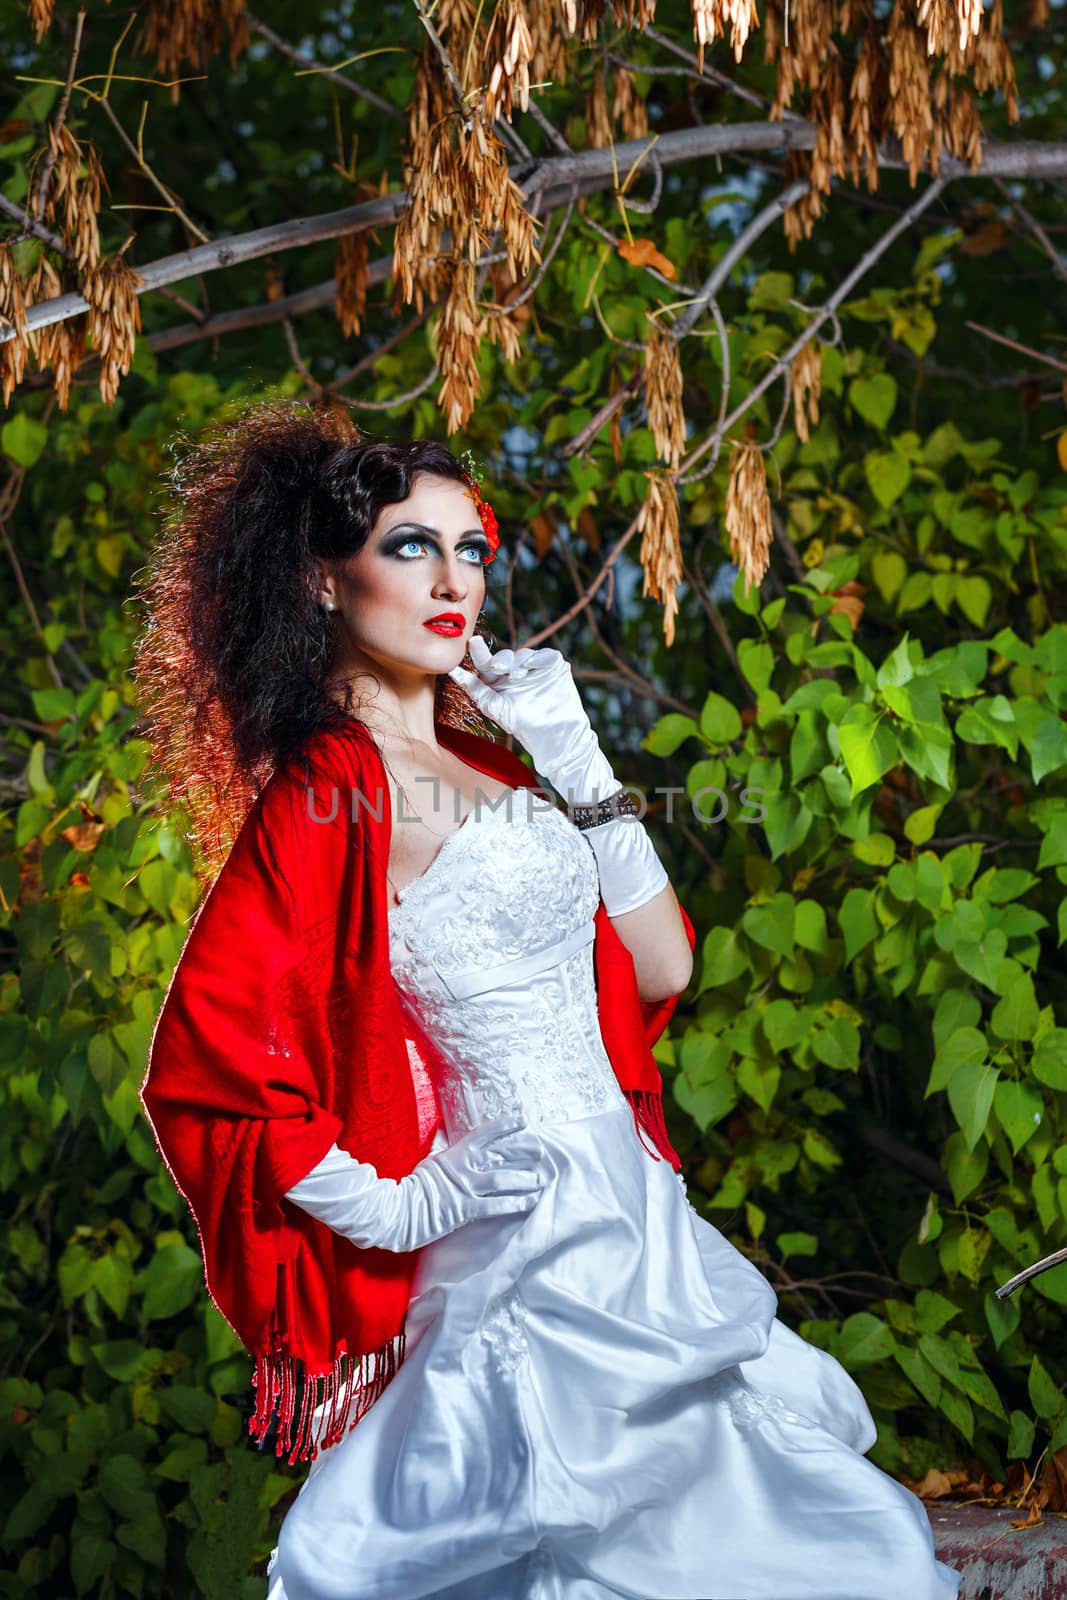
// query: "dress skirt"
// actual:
[[598, 1402]]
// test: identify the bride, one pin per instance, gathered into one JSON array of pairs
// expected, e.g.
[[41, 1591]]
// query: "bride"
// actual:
[[403, 1078]]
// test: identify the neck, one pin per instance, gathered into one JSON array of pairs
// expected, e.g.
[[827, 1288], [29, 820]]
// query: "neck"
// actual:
[[398, 713]]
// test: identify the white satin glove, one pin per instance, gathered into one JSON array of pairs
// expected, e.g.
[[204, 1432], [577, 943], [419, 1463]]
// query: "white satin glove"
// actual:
[[532, 694], [492, 1171]]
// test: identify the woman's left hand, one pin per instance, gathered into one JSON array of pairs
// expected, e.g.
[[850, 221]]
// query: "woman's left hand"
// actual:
[[532, 694]]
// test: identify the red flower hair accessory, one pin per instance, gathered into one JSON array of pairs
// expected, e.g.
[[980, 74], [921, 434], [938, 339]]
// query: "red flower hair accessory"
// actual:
[[486, 514]]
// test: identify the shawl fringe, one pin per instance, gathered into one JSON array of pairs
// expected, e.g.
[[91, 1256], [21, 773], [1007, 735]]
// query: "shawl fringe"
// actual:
[[341, 1395], [647, 1107]]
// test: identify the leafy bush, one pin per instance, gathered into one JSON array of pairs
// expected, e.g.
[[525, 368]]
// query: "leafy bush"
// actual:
[[875, 1060], [867, 1077]]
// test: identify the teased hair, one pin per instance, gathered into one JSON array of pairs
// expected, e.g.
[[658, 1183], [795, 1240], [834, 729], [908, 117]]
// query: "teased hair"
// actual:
[[234, 657]]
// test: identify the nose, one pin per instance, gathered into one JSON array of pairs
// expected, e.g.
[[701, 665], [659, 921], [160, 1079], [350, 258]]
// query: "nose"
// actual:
[[452, 583]]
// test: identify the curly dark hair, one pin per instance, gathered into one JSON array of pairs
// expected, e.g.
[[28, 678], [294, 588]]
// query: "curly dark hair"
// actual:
[[234, 657]]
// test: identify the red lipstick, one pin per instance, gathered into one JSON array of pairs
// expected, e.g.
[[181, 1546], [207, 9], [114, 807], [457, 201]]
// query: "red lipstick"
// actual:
[[448, 623]]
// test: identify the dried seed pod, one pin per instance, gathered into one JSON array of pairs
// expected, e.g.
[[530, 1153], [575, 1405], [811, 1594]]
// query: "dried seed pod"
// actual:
[[910, 111], [114, 319], [714, 17], [350, 277], [867, 102], [41, 12], [508, 51], [661, 546], [628, 110], [663, 395], [13, 351], [457, 348], [805, 373], [748, 513], [192, 30], [597, 118]]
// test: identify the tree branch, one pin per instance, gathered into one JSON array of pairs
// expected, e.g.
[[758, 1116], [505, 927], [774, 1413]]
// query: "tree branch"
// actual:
[[553, 180], [323, 72], [824, 313]]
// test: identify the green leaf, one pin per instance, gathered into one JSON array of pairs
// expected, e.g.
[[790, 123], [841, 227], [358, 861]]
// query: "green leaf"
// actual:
[[125, 1486], [981, 958], [720, 722], [1045, 1395], [964, 1047], [864, 1339], [1020, 1110], [933, 1311], [874, 398], [759, 1080], [112, 1278], [867, 747], [965, 1168], [23, 439], [957, 1408], [724, 957], [810, 926], [772, 291], [171, 1281], [920, 1373], [191, 1410], [707, 1103], [1002, 1317], [1048, 748], [888, 475], [920, 824], [91, 1557], [797, 1244], [858, 921], [147, 1538], [28, 1515], [838, 1045], [1015, 1016], [970, 1094], [971, 1250], [877, 850], [121, 1359], [1049, 1060], [771, 925], [1020, 1436], [664, 737], [756, 660]]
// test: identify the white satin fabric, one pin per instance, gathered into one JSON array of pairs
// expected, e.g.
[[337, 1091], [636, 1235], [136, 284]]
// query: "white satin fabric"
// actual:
[[597, 1400]]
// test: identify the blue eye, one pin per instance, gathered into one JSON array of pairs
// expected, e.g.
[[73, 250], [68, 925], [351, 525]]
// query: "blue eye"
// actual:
[[420, 543]]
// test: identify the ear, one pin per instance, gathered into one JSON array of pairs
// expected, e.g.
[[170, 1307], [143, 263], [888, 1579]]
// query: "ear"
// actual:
[[321, 585]]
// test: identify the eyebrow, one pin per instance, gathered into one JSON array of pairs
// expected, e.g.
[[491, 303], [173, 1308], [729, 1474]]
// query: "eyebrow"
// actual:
[[471, 533]]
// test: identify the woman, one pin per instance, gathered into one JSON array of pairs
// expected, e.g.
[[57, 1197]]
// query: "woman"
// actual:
[[402, 1075]]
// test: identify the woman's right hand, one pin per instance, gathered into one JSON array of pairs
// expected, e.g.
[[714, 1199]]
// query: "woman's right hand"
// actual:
[[493, 1171]]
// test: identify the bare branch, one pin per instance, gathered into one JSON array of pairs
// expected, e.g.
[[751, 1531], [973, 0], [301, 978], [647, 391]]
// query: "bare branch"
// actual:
[[717, 277], [1035, 228], [586, 597], [325, 72], [30, 225], [554, 180], [446, 62], [1023, 350], [61, 117], [825, 312]]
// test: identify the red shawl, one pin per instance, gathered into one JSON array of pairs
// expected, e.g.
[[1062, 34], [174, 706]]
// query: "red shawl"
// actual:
[[282, 1031]]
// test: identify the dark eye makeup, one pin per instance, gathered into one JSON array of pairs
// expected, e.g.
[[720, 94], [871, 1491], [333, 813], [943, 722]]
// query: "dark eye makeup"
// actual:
[[417, 533]]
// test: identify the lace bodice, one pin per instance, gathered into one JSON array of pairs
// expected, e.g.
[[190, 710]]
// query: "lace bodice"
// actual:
[[514, 879]]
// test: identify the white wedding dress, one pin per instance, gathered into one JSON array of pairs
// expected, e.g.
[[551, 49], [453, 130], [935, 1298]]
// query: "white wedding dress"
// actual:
[[597, 1401]]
